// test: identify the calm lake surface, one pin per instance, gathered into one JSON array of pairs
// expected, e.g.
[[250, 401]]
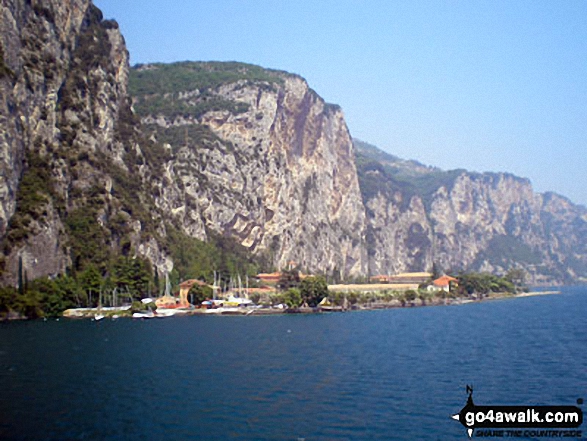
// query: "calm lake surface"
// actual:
[[388, 375]]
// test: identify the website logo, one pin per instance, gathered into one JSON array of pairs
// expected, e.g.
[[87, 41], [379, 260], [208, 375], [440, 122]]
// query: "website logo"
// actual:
[[515, 421]]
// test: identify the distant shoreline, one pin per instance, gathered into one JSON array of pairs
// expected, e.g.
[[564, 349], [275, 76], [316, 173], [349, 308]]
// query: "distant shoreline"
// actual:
[[90, 313], [537, 293]]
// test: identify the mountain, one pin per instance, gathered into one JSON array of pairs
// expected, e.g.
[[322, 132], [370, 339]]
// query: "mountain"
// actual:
[[256, 155], [418, 216], [76, 172], [230, 151], [195, 166]]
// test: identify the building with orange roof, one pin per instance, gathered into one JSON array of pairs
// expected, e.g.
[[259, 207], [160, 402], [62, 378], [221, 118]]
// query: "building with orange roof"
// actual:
[[381, 278], [442, 283], [273, 278], [417, 278], [269, 277]]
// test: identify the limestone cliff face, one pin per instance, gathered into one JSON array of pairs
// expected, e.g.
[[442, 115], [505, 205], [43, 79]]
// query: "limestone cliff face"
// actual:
[[460, 220], [88, 173], [36, 43], [277, 171], [64, 135]]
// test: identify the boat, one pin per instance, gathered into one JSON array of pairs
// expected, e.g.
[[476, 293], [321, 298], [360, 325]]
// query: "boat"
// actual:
[[164, 312], [98, 317], [143, 315]]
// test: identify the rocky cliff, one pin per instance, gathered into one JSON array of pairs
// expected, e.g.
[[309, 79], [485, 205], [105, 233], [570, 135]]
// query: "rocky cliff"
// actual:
[[256, 155], [491, 222], [99, 161], [68, 141]]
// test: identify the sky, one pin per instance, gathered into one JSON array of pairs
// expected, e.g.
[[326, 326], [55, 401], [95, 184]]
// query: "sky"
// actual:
[[496, 85]]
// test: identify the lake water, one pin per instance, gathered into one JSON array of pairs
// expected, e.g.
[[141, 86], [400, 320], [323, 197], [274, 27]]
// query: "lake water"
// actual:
[[387, 375]]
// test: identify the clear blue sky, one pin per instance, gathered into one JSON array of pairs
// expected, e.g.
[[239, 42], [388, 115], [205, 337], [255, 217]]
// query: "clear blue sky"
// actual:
[[483, 85]]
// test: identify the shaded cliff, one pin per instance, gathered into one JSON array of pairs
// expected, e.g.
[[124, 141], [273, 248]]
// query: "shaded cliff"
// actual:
[[420, 215], [74, 186]]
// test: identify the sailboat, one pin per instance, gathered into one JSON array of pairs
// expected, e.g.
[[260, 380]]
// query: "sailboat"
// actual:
[[99, 316]]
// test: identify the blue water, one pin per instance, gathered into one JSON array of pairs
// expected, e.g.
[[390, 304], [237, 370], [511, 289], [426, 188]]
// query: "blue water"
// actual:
[[387, 375]]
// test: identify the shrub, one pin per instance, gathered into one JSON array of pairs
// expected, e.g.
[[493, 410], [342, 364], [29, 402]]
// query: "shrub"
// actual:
[[292, 298], [313, 290]]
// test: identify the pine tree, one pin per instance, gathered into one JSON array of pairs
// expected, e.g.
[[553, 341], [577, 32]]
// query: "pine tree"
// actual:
[[156, 282], [20, 277]]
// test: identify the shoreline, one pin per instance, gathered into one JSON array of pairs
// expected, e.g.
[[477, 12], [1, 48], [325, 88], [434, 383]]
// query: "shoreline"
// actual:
[[537, 293], [111, 313]]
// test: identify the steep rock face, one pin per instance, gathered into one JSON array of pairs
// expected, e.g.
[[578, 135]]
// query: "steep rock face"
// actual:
[[460, 220], [36, 44], [233, 150], [67, 140], [270, 163], [37, 41], [478, 209], [398, 239]]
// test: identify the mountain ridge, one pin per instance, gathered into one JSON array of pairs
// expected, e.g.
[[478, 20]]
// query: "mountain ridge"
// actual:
[[101, 161], [494, 221]]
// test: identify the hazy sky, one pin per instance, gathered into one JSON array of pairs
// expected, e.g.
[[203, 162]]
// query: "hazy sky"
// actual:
[[482, 85]]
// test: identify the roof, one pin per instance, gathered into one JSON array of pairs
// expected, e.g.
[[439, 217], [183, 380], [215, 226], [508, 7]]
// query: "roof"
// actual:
[[402, 278], [420, 274], [269, 276], [444, 281], [191, 282], [277, 275], [263, 289]]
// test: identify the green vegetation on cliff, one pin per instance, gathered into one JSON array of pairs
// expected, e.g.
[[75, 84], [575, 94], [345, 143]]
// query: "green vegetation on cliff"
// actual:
[[160, 78], [503, 250], [35, 193], [195, 259], [188, 89], [382, 173]]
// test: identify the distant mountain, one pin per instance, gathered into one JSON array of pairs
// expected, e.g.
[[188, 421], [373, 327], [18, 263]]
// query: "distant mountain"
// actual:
[[417, 216], [397, 166]]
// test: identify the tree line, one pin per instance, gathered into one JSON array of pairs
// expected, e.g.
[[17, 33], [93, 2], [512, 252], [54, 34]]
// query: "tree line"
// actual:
[[125, 280]]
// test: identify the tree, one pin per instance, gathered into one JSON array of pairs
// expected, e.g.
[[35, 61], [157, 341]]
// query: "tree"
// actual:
[[483, 284], [20, 277], [288, 279], [132, 274], [90, 280], [424, 295], [411, 295], [157, 283], [292, 298], [336, 276], [255, 297], [8, 300], [200, 293], [313, 290], [70, 292], [517, 277]]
